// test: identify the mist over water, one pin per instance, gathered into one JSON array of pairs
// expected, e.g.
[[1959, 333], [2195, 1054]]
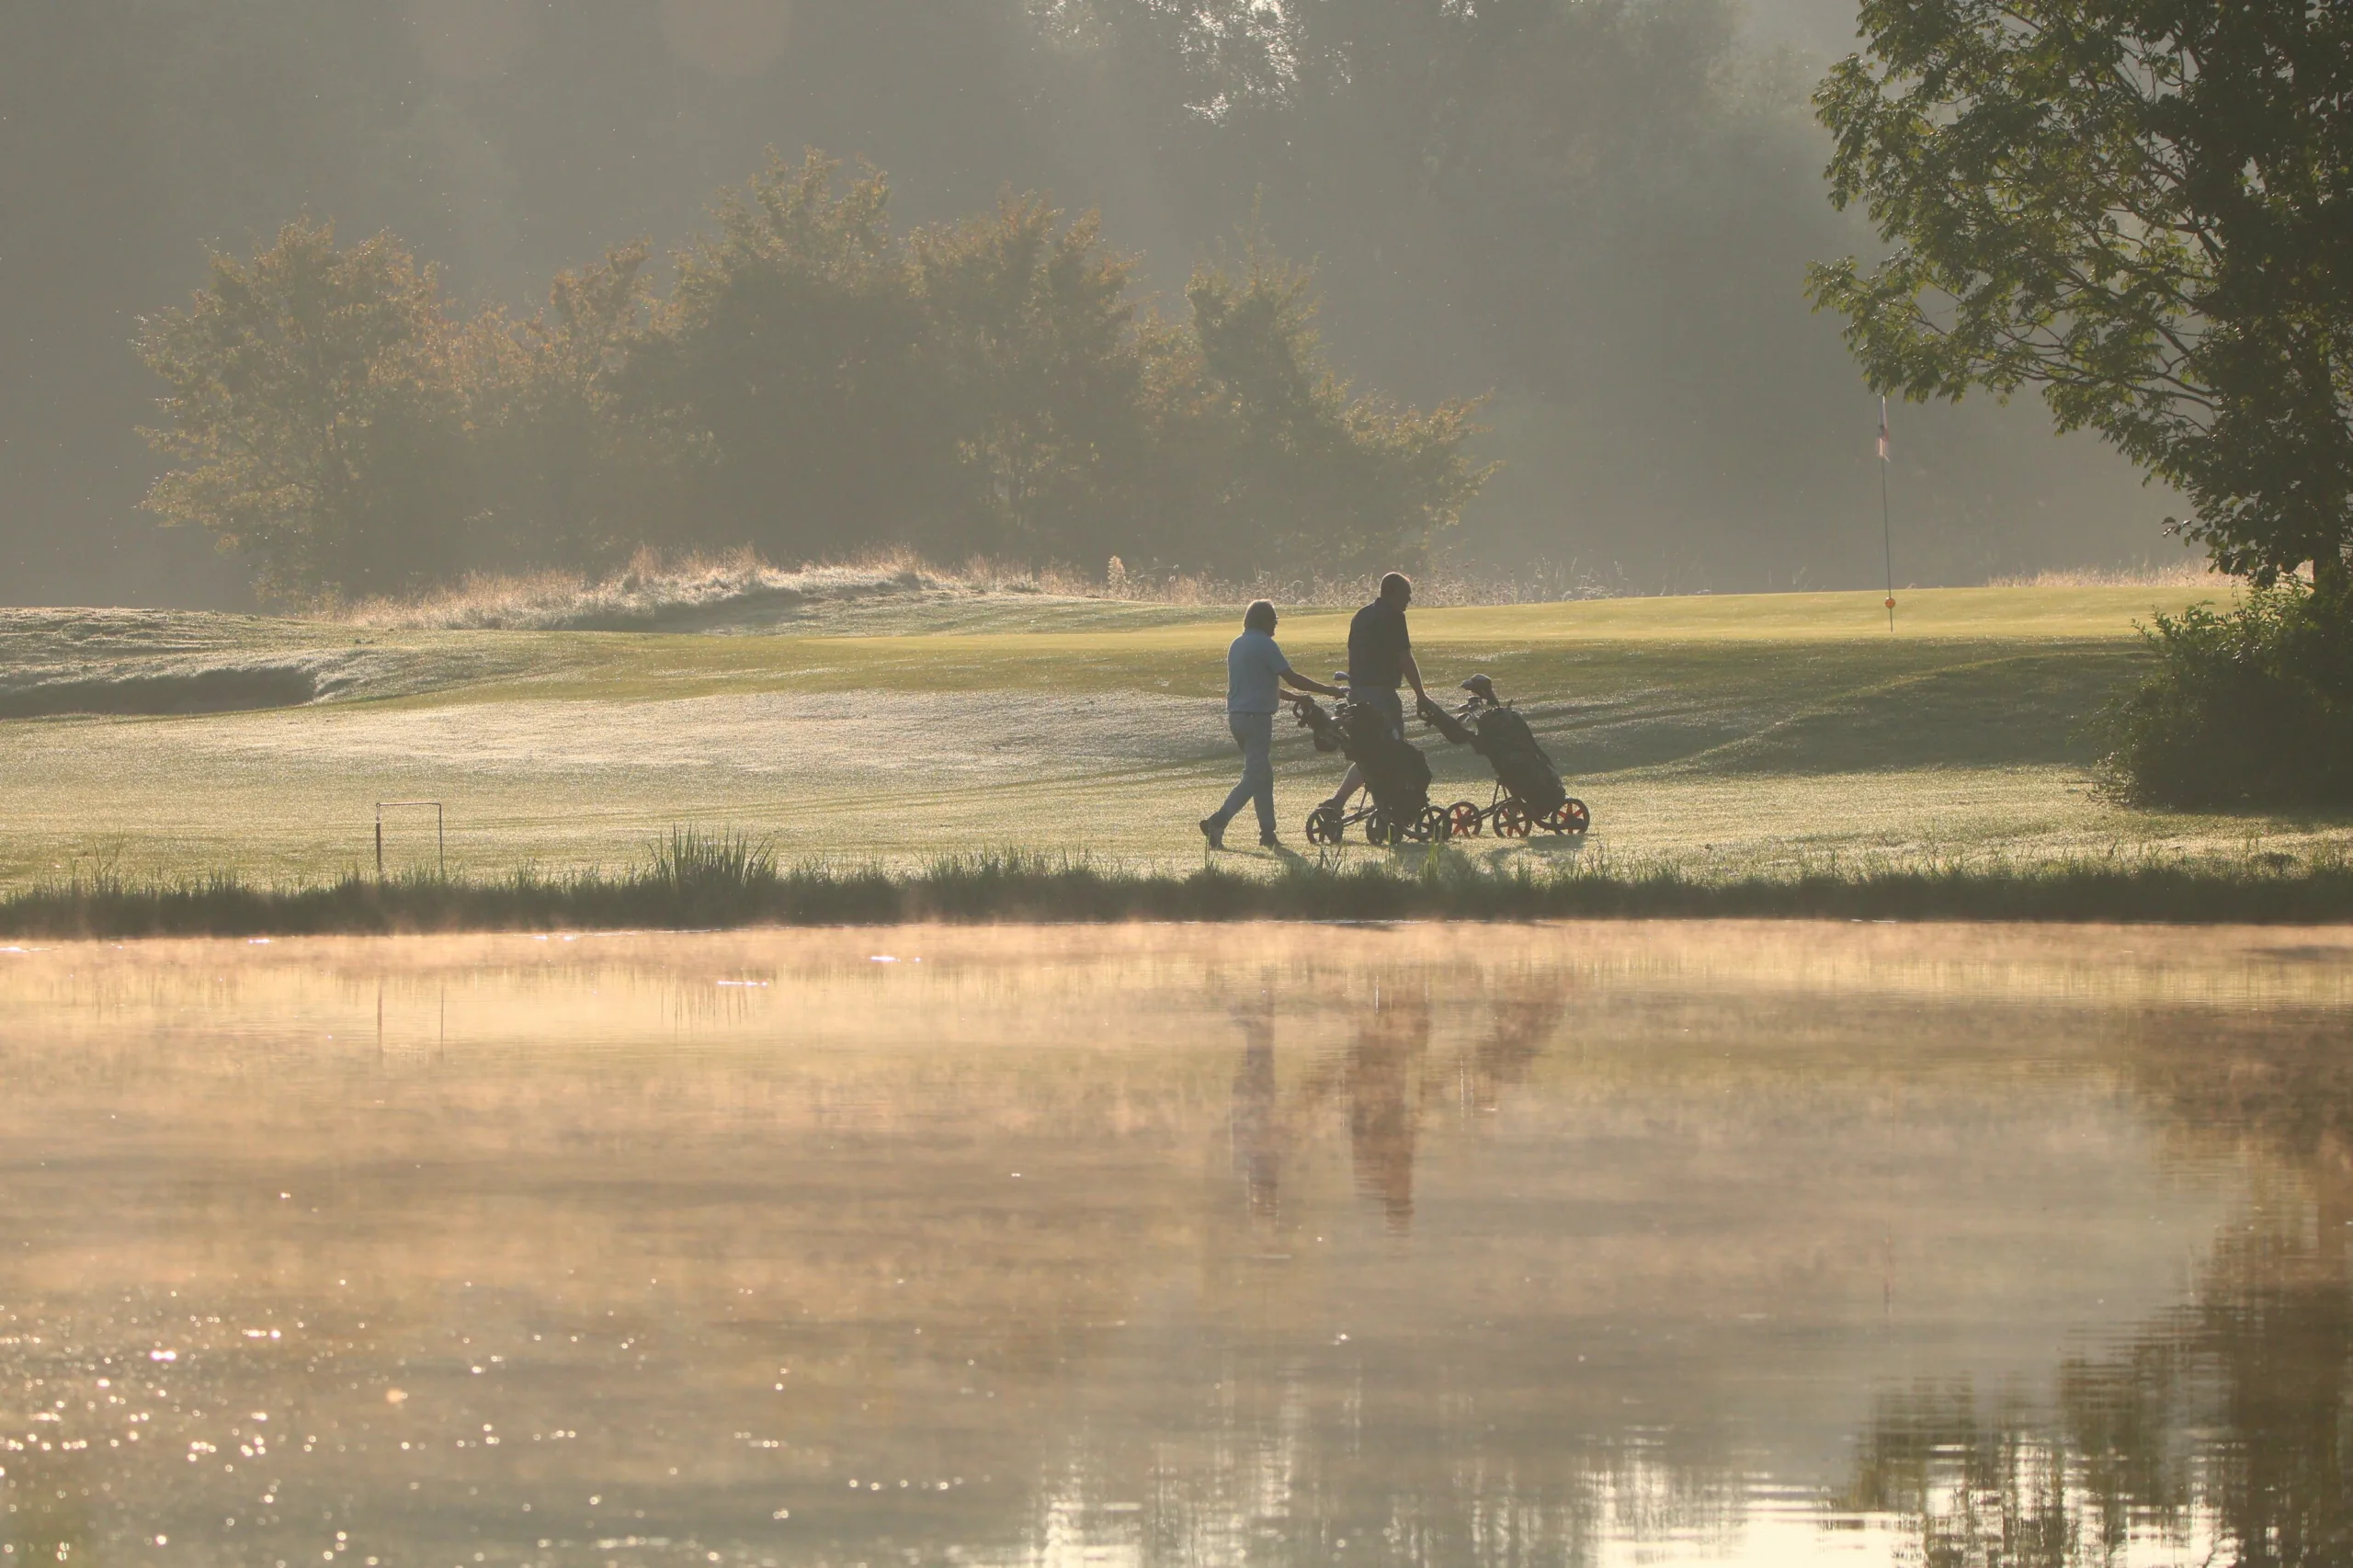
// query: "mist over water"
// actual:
[[1723, 1243], [1599, 213]]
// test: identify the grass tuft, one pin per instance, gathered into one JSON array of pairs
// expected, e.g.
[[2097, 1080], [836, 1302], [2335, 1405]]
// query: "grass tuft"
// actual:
[[701, 860]]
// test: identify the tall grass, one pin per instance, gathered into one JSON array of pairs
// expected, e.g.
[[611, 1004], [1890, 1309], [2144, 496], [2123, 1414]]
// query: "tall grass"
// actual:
[[653, 589], [701, 860], [649, 590], [2180, 574], [696, 880]]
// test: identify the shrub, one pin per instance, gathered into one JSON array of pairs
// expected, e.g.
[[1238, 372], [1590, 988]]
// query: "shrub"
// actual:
[[2250, 708]]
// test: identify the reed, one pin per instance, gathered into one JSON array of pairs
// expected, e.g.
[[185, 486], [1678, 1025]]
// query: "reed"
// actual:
[[697, 879]]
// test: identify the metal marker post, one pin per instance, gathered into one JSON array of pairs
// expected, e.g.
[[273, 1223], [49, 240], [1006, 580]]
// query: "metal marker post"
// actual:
[[441, 835]]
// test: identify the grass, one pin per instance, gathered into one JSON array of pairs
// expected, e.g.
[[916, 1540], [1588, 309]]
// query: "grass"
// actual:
[[697, 879], [1728, 739]]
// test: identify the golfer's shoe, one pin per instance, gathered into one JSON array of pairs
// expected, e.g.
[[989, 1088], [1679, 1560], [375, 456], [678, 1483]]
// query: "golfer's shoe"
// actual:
[[1211, 831]]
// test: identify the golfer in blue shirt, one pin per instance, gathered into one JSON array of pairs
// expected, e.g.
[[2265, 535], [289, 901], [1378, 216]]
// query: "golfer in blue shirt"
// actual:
[[1254, 673]]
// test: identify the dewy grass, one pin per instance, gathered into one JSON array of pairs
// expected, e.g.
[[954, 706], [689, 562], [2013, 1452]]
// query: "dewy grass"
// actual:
[[1732, 734], [699, 880]]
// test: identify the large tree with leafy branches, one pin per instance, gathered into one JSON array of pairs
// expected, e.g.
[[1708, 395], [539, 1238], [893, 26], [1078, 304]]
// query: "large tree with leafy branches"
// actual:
[[2142, 208]]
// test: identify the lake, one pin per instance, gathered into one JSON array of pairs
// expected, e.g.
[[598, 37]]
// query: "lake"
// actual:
[[1592, 1244]]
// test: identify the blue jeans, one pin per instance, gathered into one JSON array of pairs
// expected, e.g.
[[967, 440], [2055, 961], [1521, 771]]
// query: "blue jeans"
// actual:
[[1255, 733]]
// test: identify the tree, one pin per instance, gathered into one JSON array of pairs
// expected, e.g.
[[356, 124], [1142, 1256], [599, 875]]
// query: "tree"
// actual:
[[317, 401], [791, 358], [1034, 343], [811, 387], [2143, 208], [570, 480], [1304, 468]]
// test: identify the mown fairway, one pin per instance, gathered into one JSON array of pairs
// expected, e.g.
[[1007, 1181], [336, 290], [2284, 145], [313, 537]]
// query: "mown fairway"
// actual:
[[1733, 732]]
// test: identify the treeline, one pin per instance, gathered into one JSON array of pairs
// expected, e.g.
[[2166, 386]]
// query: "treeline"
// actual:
[[809, 384]]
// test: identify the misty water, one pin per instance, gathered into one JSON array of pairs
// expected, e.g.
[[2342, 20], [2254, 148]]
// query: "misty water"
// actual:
[[1578, 1244]]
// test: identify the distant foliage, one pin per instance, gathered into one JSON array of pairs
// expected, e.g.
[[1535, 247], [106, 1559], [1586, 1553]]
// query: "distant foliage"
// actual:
[[1302, 467], [2249, 708], [2137, 208], [812, 386], [317, 403]]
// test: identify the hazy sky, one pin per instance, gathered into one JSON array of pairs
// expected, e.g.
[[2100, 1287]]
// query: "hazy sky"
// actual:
[[1600, 219], [1824, 27]]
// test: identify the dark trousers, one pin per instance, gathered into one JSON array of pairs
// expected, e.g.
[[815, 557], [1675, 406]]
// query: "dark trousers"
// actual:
[[1385, 698]]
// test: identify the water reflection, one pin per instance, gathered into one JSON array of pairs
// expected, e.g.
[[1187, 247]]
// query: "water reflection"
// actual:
[[1732, 1244], [1261, 1126], [2220, 1427], [1386, 1084], [1382, 1078]]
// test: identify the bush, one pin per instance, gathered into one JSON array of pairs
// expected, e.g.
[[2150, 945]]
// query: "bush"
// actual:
[[2252, 708]]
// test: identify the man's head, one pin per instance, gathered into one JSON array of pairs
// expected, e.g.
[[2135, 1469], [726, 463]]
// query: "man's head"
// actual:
[[1259, 617], [1398, 589]]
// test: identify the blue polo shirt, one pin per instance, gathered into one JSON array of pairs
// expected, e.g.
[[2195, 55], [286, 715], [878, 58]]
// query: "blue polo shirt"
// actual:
[[1255, 667]]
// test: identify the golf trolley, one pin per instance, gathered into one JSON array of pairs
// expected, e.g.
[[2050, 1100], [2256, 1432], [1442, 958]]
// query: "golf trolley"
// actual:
[[1508, 818], [1327, 824], [1397, 776], [1528, 793]]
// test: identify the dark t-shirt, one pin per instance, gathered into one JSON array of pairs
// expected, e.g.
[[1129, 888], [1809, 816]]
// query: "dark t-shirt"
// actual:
[[1378, 646]]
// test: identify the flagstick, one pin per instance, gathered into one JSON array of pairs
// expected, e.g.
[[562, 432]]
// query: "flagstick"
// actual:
[[1887, 542], [1886, 526]]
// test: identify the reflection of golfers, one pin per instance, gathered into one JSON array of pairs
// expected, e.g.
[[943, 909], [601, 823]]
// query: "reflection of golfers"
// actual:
[[1379, 655], [1255, 672]]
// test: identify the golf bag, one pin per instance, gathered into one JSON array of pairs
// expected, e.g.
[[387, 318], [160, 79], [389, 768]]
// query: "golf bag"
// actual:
[[1394, 769], [1503, 737], [1397, 776]]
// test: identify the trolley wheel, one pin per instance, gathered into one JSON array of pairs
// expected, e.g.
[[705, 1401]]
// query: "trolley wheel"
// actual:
[[1435, 826], [1512, 819], [1569, 816], [1324, 826], [1464, 820], [1377, 829]]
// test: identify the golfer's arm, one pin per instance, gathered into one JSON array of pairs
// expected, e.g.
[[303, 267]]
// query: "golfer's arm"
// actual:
[[1413, 674], [1303, 684]]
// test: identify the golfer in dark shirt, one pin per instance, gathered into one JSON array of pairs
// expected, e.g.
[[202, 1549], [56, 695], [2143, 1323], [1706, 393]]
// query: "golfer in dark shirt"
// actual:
[[1381, 654]]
